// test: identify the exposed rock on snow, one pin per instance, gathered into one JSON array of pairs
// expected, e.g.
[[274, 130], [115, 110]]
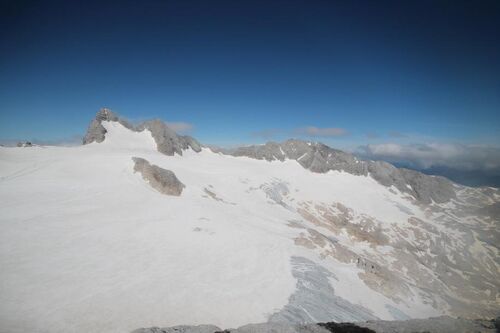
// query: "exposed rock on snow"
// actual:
[[164, 181], [432, 325], [180, 329], [380, 242], [492, 211], [418, 255], [251, 328], [320, 158], [96, 131], [209, 193], [313, 156], [167, 141]]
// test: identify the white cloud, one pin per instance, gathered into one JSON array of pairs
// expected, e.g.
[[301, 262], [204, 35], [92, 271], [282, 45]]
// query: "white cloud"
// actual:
[[321, 131], [457, 156]]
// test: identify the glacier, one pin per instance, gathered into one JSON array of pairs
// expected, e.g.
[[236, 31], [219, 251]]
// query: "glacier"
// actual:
[[88, 245]]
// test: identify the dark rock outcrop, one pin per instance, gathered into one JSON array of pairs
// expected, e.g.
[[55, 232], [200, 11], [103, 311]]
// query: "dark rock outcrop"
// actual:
[[442, 324], [345, 328], [162, 180], [96, 132], [431, 325], [167, 141]]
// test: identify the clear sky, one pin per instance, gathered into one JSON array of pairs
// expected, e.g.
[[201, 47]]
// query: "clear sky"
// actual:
[[349, 73]]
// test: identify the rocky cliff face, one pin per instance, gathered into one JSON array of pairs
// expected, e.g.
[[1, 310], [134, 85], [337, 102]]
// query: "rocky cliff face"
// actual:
[[96, 132], [320, 158], [168, 142]]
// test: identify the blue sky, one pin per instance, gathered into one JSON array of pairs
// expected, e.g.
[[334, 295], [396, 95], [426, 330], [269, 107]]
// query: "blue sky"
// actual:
[[403, 72]]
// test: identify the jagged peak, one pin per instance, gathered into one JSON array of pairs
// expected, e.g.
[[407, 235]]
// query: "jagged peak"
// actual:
[[167, 140], [314, 156], [105, 114]]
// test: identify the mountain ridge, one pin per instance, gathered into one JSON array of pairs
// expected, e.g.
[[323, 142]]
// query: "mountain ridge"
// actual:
[[168, 142], [314, 156], [141, 237]]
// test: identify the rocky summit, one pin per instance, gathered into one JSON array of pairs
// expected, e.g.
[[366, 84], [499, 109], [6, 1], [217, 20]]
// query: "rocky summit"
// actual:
[[167, 141]]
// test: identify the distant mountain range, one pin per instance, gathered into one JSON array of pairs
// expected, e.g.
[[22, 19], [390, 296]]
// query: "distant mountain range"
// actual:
[[474, 178]]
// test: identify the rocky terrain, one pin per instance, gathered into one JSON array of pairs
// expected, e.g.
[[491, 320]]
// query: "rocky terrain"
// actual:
[[143, 227], [167, 141], [160, 179], [320, 158], [431, 325]]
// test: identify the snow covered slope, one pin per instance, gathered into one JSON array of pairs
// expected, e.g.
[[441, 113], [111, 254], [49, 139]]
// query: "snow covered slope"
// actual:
[[88, 245]]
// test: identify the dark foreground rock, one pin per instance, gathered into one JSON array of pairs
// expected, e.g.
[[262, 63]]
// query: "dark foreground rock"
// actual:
[[162, 180], [442, 324], [345, 328]]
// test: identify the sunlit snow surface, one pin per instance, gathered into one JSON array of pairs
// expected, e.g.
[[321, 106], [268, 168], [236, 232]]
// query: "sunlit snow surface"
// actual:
[[86, 245]]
